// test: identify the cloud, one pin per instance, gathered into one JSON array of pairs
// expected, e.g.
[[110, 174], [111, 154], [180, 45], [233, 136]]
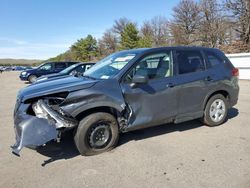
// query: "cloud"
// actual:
[[19, 49], [12, 41]]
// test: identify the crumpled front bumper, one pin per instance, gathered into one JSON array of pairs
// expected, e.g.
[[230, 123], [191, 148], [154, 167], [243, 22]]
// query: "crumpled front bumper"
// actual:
[[30, 130]]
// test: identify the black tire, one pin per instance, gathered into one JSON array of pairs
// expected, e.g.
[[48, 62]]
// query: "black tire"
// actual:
[[87, 133], [32, 78], [210, 121]]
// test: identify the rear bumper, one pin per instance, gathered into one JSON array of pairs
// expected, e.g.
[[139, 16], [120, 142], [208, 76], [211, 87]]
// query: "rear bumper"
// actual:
[[234, 93]]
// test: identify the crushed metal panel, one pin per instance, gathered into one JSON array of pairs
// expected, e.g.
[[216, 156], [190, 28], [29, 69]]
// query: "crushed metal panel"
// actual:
[[150, 104], [33, 131]]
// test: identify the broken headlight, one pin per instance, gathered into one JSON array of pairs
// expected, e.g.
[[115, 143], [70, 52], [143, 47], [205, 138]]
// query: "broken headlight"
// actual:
[[54, 114]]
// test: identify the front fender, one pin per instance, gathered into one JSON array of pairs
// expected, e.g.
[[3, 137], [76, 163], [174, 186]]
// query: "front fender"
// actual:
[[106, 93]]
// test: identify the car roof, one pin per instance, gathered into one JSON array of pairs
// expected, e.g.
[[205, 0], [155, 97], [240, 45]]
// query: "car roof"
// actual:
[[87, 63], [146, 50]]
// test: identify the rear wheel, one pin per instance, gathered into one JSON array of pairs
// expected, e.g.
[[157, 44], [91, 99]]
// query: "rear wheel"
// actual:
[[32, 78], [216, 110], [96, 133]]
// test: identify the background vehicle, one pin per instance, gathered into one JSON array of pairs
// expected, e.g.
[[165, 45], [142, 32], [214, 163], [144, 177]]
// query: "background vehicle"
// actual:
[[126, 91], [47, 68], [76, 70]]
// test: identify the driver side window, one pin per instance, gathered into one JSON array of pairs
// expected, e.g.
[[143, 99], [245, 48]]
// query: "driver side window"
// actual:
[[46, 67], [153, 66]]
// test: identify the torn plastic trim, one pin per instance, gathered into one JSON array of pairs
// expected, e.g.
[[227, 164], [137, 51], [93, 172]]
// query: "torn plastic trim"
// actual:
[[124, 117], [42, 110]]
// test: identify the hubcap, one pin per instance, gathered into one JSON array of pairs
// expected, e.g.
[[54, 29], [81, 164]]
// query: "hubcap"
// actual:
[[217, 110], [99, 136]]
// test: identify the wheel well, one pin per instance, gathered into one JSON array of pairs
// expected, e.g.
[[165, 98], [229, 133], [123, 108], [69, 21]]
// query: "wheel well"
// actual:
[[106, 109], [222, 92]]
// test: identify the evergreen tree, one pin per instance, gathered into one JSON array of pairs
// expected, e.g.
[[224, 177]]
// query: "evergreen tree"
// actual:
[[129, 37], [85, 49], [145, 42]]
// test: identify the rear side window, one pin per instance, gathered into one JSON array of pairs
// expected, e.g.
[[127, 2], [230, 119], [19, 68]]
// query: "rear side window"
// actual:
[[60, 65], [71, 63], [213, 59], [189, 61]]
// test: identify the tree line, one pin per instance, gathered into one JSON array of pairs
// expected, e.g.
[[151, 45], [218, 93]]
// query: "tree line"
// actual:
[[209, 23]]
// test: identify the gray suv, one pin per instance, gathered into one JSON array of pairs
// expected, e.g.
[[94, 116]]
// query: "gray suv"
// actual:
[[126, 91]]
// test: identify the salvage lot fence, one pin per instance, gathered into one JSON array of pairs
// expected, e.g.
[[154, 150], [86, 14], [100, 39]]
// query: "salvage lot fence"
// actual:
[[242, 62]]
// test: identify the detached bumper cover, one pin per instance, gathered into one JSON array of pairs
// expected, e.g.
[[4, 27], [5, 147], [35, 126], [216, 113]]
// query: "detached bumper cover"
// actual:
[[30, 130]]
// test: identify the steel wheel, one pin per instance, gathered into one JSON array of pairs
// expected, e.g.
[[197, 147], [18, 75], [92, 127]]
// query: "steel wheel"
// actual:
[[100, 136], [97, 133]]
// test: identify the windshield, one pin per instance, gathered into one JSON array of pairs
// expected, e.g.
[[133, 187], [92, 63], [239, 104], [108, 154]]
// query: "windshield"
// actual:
[[110, 66], [65, 71]]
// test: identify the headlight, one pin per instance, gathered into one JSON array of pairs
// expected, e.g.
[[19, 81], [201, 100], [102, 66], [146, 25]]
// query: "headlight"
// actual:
[[24, 73]]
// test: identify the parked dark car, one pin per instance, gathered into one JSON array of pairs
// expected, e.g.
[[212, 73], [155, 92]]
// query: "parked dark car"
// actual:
[[31, 75], [76, 70], [126, 91]]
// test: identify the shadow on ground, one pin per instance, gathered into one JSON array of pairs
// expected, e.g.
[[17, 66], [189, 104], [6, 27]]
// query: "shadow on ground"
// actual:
[[66, 148]]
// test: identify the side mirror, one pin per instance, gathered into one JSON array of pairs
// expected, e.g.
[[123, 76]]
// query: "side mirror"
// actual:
[[139, 79]]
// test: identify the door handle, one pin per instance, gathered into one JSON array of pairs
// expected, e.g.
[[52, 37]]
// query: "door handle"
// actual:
[[209, 79], [170, 85]]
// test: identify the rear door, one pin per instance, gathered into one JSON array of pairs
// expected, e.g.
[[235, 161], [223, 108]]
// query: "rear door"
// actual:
[[153, 103], [58, 67], [192, 83]]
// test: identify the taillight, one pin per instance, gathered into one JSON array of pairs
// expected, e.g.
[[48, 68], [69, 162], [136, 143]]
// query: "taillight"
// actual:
[[235, 72]]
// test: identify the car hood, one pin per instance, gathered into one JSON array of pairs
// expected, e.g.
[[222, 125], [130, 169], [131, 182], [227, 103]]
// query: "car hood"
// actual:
[[30, 70], [67, 84]]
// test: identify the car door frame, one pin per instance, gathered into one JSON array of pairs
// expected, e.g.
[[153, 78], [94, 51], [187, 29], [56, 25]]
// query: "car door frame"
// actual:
[[134, 122], [203, 80]]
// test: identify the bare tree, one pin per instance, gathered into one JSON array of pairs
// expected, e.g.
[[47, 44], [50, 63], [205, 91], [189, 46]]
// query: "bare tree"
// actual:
[[146, 29], [108, 43], [185, 24], [120, 25], [214, 29], [240, 10], [157, 29]]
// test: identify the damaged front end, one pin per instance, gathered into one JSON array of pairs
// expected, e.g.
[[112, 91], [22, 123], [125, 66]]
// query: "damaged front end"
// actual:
[[39, 122]]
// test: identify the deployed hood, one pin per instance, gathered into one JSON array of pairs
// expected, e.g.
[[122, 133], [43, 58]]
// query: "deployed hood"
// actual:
[[67, 84]]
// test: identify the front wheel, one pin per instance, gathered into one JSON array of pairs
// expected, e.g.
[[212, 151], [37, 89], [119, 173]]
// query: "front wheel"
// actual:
[[32, 78], [216, 110], [96, 133]]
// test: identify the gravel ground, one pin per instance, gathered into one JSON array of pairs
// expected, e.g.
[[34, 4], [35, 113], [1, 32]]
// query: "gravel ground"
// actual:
[[183, 155]]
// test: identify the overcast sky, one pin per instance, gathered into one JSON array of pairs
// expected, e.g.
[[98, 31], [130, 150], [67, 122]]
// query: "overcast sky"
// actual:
[[40, 29]]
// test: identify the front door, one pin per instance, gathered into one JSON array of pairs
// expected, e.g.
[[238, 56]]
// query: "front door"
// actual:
[[47, 68], [155, 102]]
